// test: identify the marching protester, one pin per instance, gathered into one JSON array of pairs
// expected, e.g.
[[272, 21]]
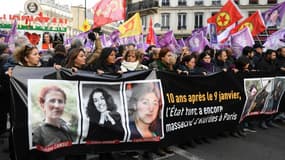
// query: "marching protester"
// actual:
[[268, 65], [4, 88], [59, 55], [281, 67], [105, 64], [91, 58], [221, 61], [258, 53], [189, 66], [132, 62], [249, 53], [76, 59], [163, 63], [206, 64], [28, 56]]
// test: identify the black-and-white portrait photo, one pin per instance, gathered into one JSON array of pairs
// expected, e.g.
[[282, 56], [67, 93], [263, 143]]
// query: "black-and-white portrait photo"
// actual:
[[103, 111]]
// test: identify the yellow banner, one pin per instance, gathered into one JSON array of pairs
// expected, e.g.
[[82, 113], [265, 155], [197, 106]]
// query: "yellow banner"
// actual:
[[131, 27]]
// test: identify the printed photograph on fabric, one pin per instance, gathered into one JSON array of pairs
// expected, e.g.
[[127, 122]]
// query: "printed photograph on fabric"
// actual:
[[144, 101], [47, 40], [273, 18], [32, 7], [103, 112], [251, 87], [53, 114], [278, 92], [268, 85]]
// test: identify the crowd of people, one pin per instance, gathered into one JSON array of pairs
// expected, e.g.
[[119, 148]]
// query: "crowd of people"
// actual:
[[117, 60]]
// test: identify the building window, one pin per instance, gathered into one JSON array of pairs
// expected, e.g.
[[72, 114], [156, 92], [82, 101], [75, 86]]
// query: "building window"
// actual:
[[165, 21], [216, 2], [271, 1], [253, 1], [199, 2], [237, 2], [181, 2], [181, 21], [198, 19], [165, 3]]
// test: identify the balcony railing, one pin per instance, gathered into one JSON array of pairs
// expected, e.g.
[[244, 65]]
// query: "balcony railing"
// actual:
[[142, 5], [165, 27]]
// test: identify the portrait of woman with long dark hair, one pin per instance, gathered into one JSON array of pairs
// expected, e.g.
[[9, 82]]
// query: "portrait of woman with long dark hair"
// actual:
[[105, 122]]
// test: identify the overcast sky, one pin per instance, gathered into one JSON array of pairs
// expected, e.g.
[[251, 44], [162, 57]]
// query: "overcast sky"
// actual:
[[14, 6]]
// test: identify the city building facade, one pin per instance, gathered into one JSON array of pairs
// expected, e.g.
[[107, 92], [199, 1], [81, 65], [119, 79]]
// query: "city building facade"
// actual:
[[183, 16]]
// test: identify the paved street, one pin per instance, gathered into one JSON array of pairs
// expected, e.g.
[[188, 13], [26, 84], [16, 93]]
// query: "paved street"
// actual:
[[262, 145]]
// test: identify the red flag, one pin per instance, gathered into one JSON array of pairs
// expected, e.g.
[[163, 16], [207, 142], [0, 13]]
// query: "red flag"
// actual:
[[228, 15], [107, 11], [150, 36], [255, 24]]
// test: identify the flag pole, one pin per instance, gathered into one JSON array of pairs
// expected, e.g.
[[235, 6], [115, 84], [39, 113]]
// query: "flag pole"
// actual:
[[258, 39], [85, 9]]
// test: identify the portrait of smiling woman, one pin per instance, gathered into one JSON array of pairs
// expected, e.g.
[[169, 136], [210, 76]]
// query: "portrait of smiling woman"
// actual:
[[145, 106], [53, 112], [102, 111]]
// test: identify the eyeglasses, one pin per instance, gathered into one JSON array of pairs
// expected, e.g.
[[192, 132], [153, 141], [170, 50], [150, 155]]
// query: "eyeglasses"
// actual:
[[28, 47]]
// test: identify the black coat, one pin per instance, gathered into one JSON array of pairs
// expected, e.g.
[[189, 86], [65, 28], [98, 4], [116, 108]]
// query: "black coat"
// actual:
[[106, 132]]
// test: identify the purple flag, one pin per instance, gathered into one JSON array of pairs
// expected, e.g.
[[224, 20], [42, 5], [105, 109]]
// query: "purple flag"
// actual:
[[10, 39], [131, 39], [213, 33], [197, 42], [276, 40], [89, 44], [165, 39], [143, 46], [105, 40], [67, 41], [204, 30], [181, 42], [114, 36], [273, 16], [241, 39], [82, 36]]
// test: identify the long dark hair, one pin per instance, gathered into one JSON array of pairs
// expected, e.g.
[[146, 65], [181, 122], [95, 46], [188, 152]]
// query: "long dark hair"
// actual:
[[92, 112], [72, 56]]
